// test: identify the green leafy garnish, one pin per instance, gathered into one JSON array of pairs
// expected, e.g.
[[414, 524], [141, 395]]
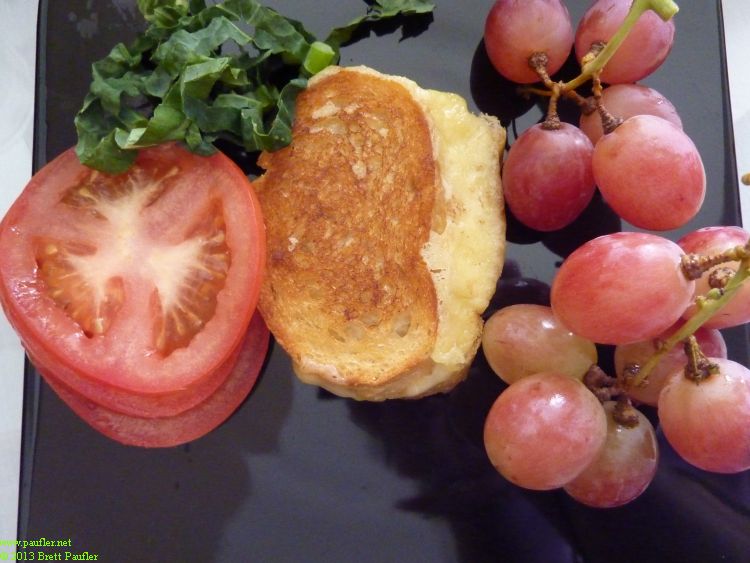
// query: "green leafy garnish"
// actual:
[[199, 72]]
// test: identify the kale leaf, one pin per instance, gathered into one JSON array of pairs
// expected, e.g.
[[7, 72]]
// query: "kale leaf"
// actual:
[[196, 74]]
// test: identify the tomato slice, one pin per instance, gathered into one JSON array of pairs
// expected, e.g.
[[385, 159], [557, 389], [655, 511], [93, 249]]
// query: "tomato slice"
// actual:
[[188, 425], [140, 284], [151, 405]]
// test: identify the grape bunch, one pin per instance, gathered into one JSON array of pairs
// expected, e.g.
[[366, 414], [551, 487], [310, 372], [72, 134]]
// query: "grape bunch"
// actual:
[[646, 168], [659, 304]]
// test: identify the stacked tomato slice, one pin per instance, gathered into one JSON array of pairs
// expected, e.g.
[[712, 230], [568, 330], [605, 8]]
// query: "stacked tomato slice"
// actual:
[[134, 295]]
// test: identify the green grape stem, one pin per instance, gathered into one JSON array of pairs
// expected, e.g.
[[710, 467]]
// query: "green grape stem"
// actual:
[[666, 9], [709, 305]]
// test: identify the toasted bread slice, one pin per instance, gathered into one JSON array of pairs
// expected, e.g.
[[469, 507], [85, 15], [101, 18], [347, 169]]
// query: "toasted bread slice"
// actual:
[[385, 235]]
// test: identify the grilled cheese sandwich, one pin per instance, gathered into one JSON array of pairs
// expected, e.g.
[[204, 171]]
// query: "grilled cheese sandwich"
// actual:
[[385, 234]]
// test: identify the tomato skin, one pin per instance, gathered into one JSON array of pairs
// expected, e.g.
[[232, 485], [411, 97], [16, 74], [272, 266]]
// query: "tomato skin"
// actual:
[[189, 425], [122, 366], [152, 405]]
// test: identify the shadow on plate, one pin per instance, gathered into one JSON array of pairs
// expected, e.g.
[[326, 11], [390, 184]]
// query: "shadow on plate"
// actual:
[[197, 488], [686, 515]]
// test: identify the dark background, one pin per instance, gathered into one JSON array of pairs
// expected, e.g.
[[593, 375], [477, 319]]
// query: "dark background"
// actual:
[[300, 475]]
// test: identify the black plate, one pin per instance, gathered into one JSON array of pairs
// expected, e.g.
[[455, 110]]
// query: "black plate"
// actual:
[[300, 475]]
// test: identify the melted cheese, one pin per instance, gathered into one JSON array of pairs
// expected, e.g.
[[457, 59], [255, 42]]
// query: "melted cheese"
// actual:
[[462, 253]]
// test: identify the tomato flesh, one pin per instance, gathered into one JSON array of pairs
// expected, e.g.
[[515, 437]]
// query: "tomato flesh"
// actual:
[[86, 281], [62, 268], [140, 284]]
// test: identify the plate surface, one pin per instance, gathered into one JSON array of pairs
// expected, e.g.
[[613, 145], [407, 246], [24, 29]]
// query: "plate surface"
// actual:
[[300, 475]]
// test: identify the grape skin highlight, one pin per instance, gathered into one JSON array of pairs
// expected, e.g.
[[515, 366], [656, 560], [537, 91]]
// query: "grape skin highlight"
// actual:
[[548, 178], [621, 288], [543, 430], [515, 29], [624, 468], [524, 339], [650, 173], [708, 423], [628, 100], [643, 51]]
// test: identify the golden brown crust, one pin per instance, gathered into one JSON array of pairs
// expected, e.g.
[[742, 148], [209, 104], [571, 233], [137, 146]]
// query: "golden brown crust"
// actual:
[[348, 208]]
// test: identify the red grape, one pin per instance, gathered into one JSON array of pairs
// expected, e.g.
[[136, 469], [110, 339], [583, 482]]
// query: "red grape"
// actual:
[[544, 430], [710, 241], [524, 339], [708, 423], [627, 100], [624, 468], [642, 52], [621, 288], [547, 178], [650, 173], [710, 341], [515, 29]]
